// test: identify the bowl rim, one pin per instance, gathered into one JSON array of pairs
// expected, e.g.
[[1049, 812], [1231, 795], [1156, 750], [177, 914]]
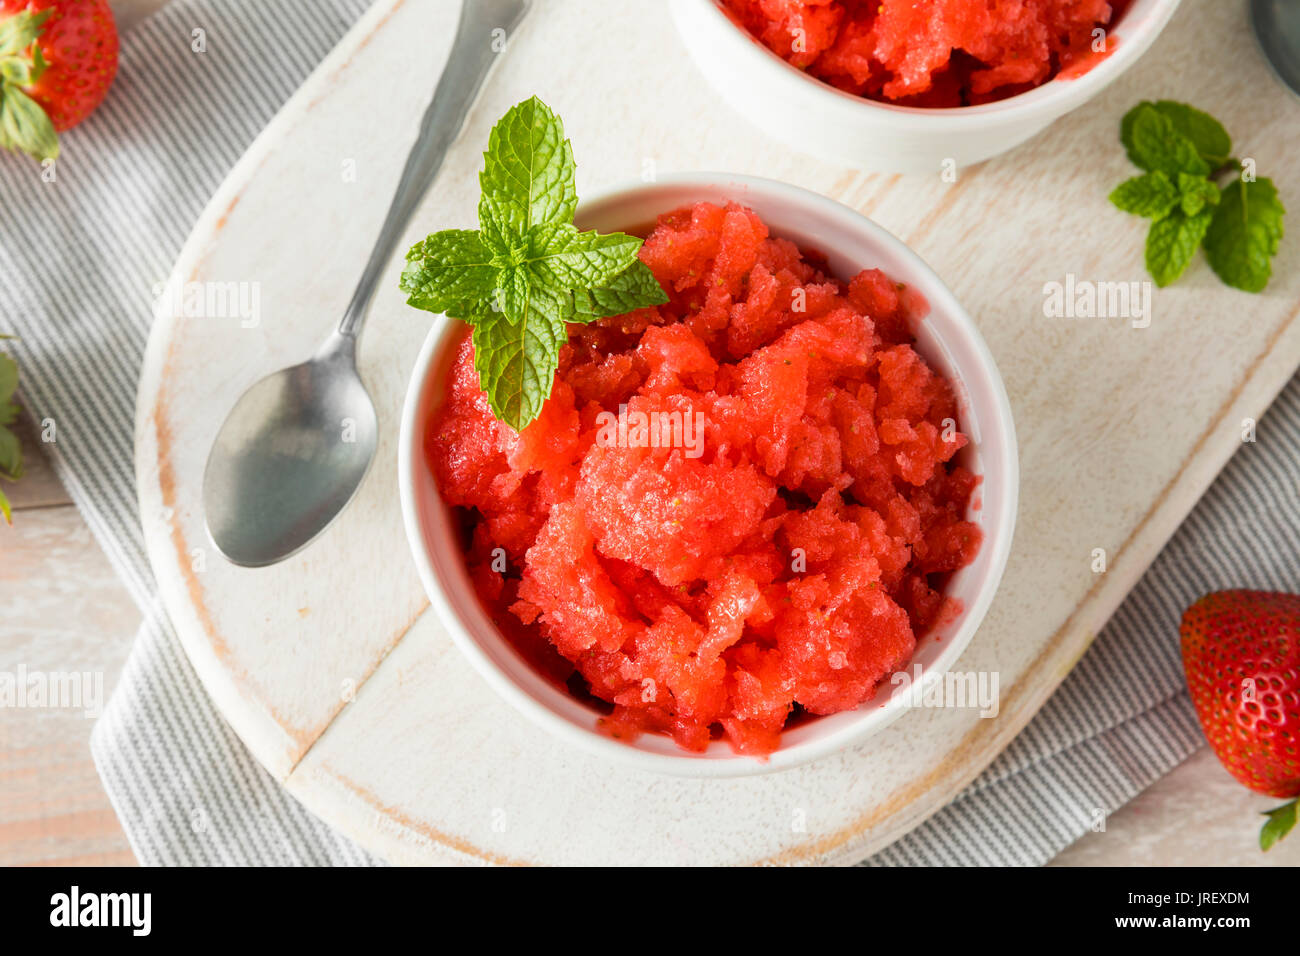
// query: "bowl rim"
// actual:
[[869, 721], [1045, 101]]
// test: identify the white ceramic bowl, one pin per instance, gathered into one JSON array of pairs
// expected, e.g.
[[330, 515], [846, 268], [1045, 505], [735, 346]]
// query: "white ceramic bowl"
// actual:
[[948, 339], [815, 117]]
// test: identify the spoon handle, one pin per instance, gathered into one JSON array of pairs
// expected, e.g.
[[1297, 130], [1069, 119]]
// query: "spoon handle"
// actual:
[[473, 52]]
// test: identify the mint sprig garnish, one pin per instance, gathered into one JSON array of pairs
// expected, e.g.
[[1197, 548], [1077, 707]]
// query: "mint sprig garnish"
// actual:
[[527, 271], [1184, 152]]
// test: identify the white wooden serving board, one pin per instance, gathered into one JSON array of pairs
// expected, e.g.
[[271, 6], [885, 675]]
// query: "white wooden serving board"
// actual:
[[329, 666]]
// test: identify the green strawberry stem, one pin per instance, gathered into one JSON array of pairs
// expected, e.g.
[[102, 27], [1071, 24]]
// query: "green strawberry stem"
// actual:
[[24, 125], [1279, 823]]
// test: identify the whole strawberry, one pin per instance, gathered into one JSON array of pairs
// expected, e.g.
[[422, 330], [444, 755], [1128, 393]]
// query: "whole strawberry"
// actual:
[[1241, 653], [57, 61]]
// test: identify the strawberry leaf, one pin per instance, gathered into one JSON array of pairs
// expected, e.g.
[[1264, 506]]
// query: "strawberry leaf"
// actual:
[[19, 31], [11, 449], [8, 377], [24, 126], [1279, 823], [11, 455]]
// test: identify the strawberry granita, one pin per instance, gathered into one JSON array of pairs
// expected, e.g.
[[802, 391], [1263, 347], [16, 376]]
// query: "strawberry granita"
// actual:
[[784, 564], [932, 52]]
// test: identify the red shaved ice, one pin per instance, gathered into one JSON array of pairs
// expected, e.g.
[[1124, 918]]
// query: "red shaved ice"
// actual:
[[941, 53], [785, 558]]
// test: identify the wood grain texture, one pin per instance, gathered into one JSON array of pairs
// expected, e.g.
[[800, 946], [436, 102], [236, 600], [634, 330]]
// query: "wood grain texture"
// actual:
[[1121, 430], [53, 808], [65, 611]]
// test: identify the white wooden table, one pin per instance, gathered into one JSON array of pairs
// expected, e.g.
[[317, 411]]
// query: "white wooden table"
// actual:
[[62, 603]]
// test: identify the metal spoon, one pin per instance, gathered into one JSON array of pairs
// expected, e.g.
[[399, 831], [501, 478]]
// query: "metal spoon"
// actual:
[[1277, 26], [295, 447]]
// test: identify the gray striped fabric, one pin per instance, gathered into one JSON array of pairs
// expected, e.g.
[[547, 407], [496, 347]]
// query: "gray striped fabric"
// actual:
[[79, 260]]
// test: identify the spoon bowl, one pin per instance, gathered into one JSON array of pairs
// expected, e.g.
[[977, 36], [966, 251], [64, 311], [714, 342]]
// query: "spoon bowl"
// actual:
[[289, 457]]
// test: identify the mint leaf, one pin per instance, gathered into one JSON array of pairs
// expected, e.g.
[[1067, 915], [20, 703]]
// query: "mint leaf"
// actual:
[[1244, 236], [562, 256], [528, 175], [1151, 195], [447, 268], [1154, 142], [1172, 242], [517, 361], [636, 288], [1280, 821], [1195, 193], [516, 294], [1205, 133]]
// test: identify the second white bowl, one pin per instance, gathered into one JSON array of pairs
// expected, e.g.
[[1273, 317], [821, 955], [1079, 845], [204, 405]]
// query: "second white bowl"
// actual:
[[815, 117]]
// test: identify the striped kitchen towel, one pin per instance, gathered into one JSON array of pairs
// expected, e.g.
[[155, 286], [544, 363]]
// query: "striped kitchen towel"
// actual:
[[79, 259]]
